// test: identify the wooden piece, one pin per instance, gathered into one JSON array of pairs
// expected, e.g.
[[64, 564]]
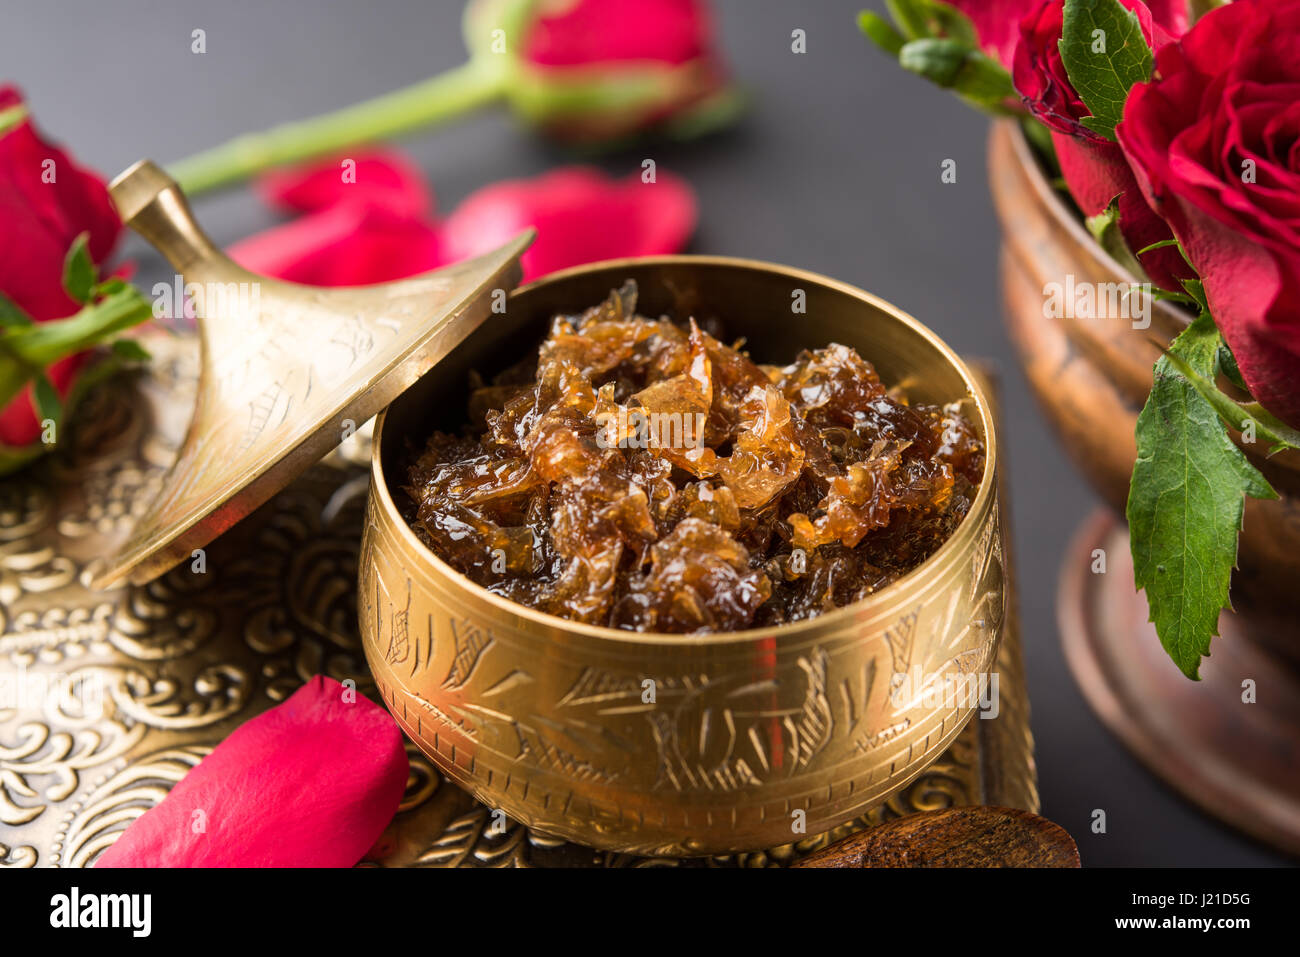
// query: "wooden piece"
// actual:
[[978, 836]]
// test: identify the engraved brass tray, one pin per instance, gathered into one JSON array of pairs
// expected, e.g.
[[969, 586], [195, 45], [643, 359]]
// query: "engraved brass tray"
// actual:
[[184, 660]]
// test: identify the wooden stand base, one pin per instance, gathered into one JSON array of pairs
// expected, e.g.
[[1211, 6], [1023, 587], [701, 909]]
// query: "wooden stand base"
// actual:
[[1239, 761]]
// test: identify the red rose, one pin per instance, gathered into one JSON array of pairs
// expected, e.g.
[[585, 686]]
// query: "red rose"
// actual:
[[1214, 139], [46, 202], [1094, 168], [599, 70], [589, 71]]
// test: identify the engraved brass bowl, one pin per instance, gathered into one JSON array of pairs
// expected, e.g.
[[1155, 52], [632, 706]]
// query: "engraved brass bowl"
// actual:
[[753, 738]]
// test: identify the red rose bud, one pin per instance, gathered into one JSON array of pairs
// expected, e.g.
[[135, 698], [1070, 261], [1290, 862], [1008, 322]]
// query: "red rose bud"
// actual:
[[311, 783], [1093, 167], [375, 230], [599, 70], [585, 70], [1213, 141]]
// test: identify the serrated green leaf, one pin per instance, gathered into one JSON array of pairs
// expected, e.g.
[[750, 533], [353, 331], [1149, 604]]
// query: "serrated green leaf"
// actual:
[[46, 399], [11, 314], [79, 270], [954, 65], [1240, 416], [1186, 501], [1103, 77], [880, 32]]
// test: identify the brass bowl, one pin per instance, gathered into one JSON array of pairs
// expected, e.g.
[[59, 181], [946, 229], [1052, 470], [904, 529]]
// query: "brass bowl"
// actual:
[[752, 738]]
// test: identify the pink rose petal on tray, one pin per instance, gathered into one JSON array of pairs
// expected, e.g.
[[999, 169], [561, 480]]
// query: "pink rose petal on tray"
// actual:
[[311, 783]]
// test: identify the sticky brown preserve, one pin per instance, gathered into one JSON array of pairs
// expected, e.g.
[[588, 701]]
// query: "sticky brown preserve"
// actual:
[[642, 474]]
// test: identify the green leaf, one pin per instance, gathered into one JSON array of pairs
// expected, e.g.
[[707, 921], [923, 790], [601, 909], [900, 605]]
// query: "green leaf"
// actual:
[[11, 314], [954, 65], [79, 271], [1104, 227], [909, 17], [880, 32], [131, 350], [1104, 54], [12, 116], [1228, 366], [1162, 244], [1240, 416], [110, 286], [1196, 289], [47, 401], [931, 18], [1186, 502]]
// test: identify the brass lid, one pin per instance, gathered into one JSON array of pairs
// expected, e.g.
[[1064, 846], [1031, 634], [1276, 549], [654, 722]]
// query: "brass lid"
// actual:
[[287, 371]]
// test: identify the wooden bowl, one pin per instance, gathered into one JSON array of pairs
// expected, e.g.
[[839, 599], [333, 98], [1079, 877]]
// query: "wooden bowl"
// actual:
[[1232, 753]]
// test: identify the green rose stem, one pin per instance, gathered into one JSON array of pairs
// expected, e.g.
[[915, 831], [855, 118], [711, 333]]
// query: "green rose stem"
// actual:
[[424, 104], [29, 350]]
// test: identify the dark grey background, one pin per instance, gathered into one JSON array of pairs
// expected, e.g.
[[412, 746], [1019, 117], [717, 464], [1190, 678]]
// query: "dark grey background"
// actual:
[[835, 168]]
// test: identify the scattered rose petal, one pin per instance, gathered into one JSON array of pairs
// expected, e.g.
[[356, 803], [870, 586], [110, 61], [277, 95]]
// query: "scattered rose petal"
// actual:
[[581, 216], [381, 177], [311, 783], [351, 244]]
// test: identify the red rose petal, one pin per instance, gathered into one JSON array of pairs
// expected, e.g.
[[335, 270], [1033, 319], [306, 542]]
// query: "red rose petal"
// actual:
[[351, 244], [997, 24], [581, 216], [311, 783], [604, 31], [383, 177]]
